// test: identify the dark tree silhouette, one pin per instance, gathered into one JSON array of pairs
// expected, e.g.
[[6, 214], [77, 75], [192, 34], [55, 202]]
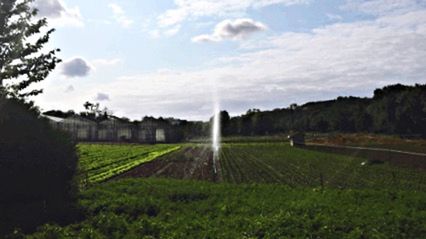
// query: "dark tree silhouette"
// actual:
[[37, 163], [21, 62]]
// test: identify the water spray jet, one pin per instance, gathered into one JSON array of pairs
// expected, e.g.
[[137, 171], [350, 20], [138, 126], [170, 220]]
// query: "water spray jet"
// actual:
[[216, 136]]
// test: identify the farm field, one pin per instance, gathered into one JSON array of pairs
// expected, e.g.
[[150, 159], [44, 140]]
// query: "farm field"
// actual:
[[262, 190], [99, 162], [279, 163], [370, 140], [166, 208]]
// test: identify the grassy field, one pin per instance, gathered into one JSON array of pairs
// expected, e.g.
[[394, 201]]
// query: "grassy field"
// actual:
[[265, 190], [99, 162], [159, 208]]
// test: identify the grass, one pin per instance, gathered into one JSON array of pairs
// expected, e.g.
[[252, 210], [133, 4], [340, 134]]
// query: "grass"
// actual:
[[99, 162], [159, 208]]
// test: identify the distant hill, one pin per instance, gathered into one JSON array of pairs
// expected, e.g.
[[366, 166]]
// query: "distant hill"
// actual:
[[394, 109]]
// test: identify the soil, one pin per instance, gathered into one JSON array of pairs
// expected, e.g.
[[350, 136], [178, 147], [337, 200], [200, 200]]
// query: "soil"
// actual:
[[191, 163]]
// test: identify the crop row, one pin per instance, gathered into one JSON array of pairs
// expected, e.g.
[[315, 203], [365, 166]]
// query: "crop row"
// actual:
[[280, 163], [99, 162]]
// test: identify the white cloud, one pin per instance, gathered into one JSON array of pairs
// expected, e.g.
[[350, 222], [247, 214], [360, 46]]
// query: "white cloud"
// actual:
[[334, 17], [169, 32], [172, 31], [58, 13], [383, 7], [232, 30], [293, 67], [120, 16], [76, 67], [69, 89], [198, 8], [337, 59], [102, 97]]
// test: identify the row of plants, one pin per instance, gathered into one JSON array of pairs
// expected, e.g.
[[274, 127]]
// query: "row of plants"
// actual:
[[164, 208], [99, 162], [280, 163]]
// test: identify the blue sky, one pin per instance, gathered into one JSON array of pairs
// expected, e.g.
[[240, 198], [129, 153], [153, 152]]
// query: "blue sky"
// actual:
[[172, 58]]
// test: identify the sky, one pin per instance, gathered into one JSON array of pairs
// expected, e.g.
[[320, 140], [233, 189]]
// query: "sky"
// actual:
[[174, 58]]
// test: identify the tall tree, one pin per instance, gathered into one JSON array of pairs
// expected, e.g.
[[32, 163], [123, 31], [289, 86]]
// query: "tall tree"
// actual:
[[22, 61], [37, 163]]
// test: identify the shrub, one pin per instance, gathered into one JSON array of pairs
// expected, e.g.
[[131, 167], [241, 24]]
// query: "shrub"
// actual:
[[37, 167]]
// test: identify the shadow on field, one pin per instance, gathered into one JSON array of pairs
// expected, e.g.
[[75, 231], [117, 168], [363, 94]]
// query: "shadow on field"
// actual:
[[374, 155]]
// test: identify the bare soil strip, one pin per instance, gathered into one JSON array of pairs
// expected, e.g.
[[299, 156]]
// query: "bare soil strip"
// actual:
[[192, 163]]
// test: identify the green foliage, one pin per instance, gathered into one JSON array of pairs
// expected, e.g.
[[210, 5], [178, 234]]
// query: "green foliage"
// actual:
[[21, 62], [395, 109], [121, 210], [37, 167], [99, 162]]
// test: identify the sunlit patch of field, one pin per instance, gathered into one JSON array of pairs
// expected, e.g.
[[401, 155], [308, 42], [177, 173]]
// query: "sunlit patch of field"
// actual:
[[99, 162]]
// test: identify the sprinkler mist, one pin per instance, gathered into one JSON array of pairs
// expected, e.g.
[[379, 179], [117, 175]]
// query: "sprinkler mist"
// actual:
[[216, 136]]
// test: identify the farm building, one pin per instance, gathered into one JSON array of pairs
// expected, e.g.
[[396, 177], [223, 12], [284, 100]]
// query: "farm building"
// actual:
[[55, 122], [150, 132], [80, 128], [160, 135], [114, 129]]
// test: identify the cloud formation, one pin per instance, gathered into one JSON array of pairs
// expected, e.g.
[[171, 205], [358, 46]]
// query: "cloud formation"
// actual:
[[102, 97], [383, 7], [58, 13], [232, 30], [199, 8], [342, 58], [69, 89], [338, 59], [120, 16], [76, 67]]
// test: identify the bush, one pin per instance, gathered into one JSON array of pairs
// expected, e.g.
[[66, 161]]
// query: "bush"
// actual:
[[37, 167]]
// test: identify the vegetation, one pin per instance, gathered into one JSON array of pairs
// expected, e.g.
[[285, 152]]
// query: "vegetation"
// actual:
[[370, 140], [280, 163], [21, 60], [37, 164], [158, 208], [276, 192], [99, 162], [395, 109]]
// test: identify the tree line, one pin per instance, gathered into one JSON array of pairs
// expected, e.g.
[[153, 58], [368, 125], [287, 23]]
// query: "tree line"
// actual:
[[394, 109]]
